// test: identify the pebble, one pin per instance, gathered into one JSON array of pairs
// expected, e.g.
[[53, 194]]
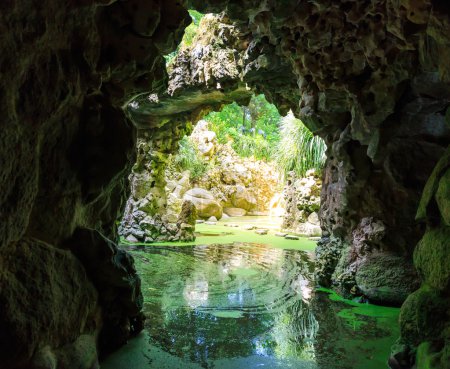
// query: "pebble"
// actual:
[[249, 227], [231, 225], [199, 221], [261, 231]]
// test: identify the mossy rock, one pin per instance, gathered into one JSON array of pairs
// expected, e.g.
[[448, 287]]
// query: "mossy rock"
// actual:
[[386, 278], [431, 257], [421, 316], [428, 358], [443, 197]]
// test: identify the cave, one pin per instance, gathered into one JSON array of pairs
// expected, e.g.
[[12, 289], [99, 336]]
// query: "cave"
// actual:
[[86, 94]]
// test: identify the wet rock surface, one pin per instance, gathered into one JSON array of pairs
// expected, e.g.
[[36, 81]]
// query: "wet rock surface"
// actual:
[[66, 149]]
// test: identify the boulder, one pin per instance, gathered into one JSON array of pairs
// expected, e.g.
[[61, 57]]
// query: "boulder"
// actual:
[[205, 203], [313, 218], [242, 198], [308, 229], [386, 278], [234, 212]]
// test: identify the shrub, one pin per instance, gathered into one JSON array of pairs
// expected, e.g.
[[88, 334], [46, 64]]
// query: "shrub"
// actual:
[[189, 158], [298, 149]]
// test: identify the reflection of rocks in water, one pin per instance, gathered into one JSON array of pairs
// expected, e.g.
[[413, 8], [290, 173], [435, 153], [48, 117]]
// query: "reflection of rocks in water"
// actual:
[[206, 304], [234, 300]]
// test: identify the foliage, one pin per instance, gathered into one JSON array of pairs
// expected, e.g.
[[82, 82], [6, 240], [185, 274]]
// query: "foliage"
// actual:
[[189, 158], [189, 34], [298, 149], [252, 129]]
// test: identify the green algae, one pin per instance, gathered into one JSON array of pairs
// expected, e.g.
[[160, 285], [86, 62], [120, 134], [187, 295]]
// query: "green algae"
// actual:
[[377, 324], [221, 234], [234, 314]]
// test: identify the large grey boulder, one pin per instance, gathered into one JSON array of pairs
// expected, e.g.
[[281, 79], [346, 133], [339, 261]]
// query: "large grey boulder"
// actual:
[[205, 203]]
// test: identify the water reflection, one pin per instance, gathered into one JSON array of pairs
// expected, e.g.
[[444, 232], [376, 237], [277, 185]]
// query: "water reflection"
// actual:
[[247, 305]]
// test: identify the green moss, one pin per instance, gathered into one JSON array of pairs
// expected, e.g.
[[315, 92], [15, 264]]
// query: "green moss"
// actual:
[[431, 257]]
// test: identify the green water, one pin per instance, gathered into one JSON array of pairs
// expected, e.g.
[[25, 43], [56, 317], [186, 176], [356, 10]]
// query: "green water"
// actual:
[[248, 304]]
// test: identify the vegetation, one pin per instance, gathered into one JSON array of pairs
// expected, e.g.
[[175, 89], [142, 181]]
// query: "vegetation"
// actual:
[[253, 129], [189, 34], [298, 150], [189, 158], [259, 131]]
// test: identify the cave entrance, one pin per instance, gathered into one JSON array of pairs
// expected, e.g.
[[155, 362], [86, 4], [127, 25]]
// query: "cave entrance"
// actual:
[[224, 285], [242, 166]]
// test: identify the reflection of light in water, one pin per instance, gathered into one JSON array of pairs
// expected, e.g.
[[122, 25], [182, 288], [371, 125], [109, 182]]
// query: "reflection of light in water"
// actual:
[[302, 287], [196, 293]]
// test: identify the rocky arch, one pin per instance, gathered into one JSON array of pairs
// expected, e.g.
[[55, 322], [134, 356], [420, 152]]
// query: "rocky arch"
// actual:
[[371, 78]]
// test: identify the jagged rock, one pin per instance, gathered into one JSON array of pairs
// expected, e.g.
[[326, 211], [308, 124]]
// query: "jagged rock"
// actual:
[[234, 212], [212, 219], [205, 203]]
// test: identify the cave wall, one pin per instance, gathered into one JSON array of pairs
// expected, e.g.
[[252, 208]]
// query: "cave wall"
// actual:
[[66, 149], [371, 78]]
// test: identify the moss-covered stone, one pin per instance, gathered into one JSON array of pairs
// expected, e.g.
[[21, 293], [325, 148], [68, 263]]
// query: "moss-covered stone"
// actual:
[[387, 279], [431, 257], [443, 197], [421, 315]]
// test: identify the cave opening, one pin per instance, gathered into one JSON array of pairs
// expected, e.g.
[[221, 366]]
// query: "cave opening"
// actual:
[[96, 91]]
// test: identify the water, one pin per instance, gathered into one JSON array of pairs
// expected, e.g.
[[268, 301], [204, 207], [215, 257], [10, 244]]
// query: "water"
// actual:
[[248, 305]]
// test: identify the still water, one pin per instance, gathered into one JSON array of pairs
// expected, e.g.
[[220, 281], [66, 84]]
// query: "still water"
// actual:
[[249, 305]]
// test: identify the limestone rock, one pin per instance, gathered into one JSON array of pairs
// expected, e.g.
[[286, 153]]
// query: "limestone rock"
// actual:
[[234, 212], [241, 198], [281, 234], [205, 203], [291, 237]]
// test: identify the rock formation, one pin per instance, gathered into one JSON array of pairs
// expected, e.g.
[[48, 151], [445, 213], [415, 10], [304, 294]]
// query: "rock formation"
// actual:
[[302, 197], [371, 78], [67, 293]]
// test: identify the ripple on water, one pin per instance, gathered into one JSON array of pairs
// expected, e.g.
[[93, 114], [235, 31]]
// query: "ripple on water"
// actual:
[[248, 305]]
